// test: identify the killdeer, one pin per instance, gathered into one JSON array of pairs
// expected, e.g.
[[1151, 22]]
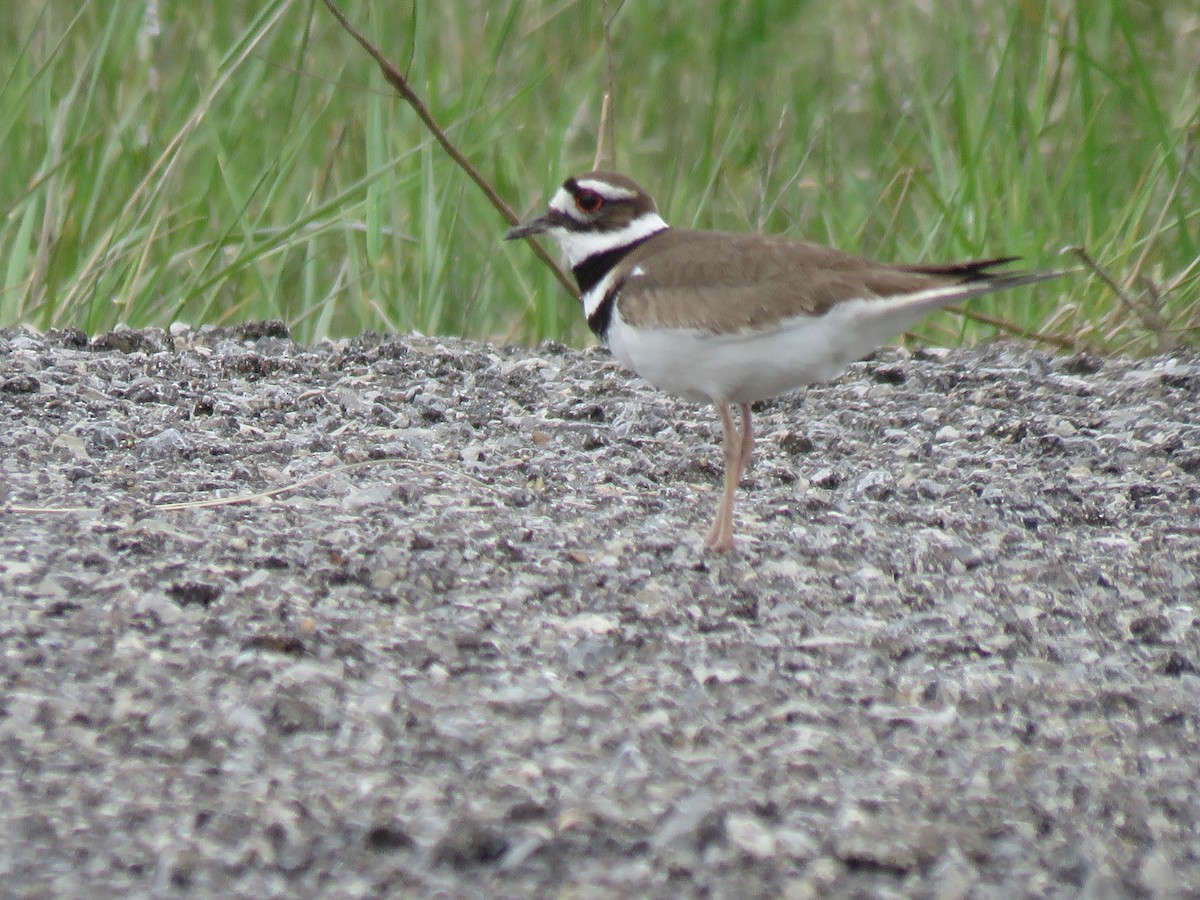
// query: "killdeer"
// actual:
[[730, 318]]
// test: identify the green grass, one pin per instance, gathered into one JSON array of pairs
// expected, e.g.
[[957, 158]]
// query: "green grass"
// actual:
[[247, 161]]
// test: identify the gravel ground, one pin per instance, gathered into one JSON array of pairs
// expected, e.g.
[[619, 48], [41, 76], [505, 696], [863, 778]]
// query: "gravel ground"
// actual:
[[470, 645]]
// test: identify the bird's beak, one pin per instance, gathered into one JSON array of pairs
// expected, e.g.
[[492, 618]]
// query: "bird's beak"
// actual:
[[533, 226]]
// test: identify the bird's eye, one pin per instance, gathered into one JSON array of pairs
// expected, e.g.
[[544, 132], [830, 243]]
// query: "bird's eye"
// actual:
[[589, 201]]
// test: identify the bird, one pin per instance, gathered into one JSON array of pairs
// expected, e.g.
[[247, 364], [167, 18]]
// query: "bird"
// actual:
[[732, 318]]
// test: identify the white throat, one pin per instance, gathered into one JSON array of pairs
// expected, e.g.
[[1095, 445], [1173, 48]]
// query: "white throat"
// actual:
[[578, 246]]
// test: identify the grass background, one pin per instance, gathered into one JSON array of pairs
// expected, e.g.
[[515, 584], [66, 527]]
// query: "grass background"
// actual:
[[224, 161]]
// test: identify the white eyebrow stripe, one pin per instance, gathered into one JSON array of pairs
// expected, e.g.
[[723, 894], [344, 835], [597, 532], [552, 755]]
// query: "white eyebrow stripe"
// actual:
[[562, 201], [604, 189], [578, 246]]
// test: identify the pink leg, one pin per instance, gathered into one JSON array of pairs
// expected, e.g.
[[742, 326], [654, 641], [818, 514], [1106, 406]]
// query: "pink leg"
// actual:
[[747, 448], [738, 448]]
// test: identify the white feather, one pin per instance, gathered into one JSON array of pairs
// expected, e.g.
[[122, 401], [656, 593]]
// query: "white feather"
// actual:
[[754, 365], [593, 298], [579, 245], [606, 189]]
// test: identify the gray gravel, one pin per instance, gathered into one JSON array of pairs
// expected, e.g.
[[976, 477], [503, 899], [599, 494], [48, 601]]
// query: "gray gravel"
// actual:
[[472, 646]]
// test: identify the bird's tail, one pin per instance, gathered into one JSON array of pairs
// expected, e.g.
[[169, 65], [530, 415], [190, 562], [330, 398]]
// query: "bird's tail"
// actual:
[[982, 272]]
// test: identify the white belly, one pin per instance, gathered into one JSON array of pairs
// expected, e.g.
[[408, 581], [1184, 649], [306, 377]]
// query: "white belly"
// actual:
[[750, 366]]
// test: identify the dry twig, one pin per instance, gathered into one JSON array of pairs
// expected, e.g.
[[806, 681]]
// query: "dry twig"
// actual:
[[1149, 318], [259, 495], [1064, 343], [397, 80], [606, 138]]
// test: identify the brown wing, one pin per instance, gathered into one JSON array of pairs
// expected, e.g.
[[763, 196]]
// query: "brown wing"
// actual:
[[732, 282]]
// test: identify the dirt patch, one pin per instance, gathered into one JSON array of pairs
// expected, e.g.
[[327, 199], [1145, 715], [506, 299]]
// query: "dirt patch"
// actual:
[[465, 639]]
